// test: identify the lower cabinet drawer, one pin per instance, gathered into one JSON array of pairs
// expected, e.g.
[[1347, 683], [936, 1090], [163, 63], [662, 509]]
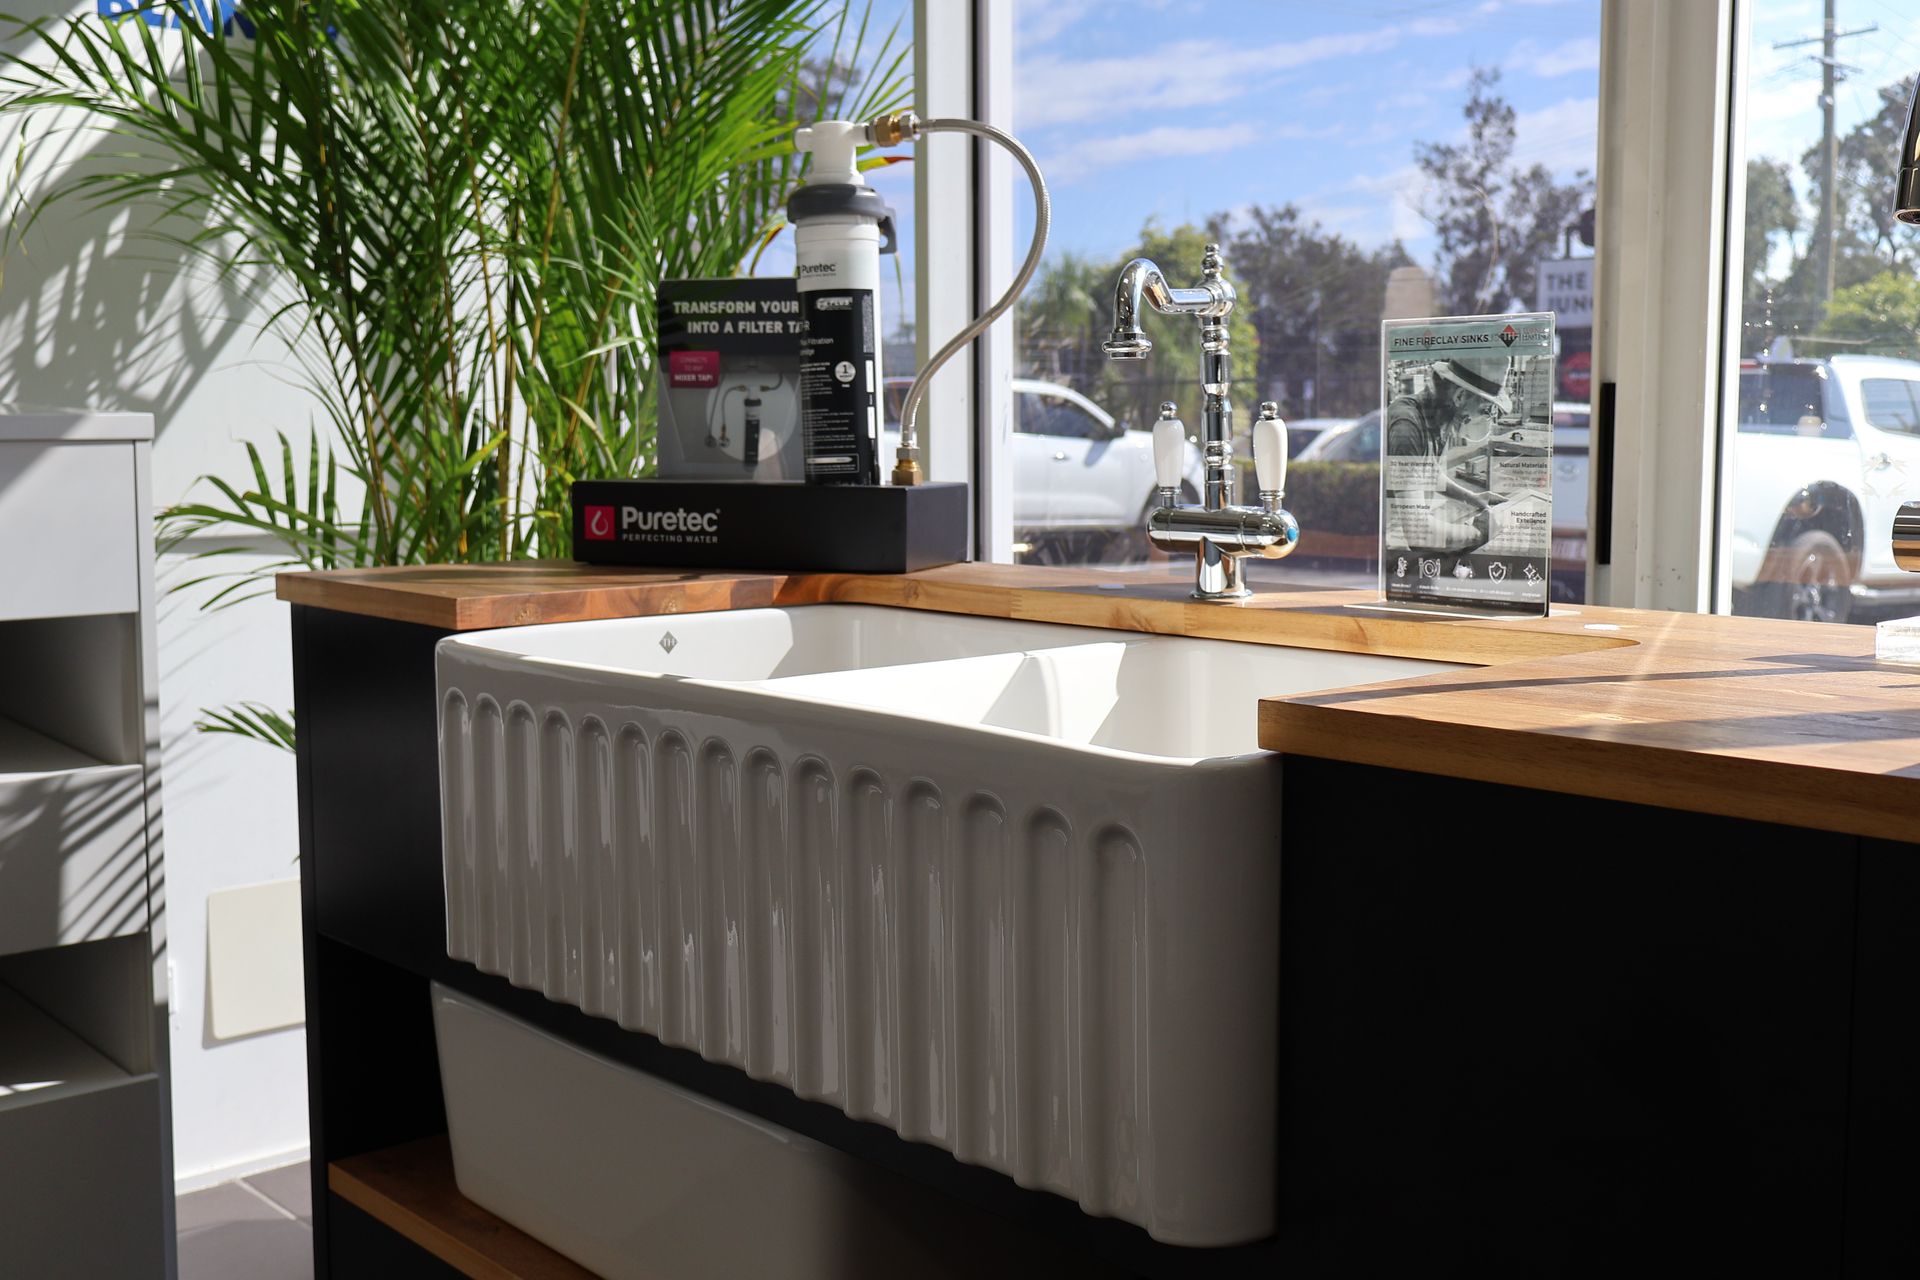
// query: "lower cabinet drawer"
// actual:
[[72, 845], [634, 1178], [70, 508]]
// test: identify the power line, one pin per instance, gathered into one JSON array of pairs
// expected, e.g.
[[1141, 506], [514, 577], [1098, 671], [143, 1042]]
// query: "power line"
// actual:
[[1831, 73]]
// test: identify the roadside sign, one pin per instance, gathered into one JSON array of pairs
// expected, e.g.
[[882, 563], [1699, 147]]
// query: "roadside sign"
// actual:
[[1566, 289]]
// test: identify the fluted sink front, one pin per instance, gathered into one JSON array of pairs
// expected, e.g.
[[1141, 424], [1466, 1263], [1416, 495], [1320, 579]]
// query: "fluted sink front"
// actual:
[[1009, 888]]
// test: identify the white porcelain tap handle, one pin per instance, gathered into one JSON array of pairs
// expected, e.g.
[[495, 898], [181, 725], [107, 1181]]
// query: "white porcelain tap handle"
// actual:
[[1169, 448], [1270, 449]]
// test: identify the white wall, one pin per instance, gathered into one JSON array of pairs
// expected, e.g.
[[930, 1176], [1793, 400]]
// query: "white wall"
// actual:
[[90, 316]]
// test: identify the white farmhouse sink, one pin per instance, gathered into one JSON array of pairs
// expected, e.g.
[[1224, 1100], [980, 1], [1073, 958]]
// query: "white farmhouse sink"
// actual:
[[1010, 888]]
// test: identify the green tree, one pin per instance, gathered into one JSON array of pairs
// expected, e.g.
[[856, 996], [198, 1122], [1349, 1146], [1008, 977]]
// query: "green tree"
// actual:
[[1068, 312], [1773, 212], [1063, 317], [1314, 297], [1495, 220], [1880, 315], [1132, 390], [1868, 240]]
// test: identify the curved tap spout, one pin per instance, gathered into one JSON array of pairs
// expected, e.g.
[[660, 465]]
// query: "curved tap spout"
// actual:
[[1142, 282], [1219, 533]]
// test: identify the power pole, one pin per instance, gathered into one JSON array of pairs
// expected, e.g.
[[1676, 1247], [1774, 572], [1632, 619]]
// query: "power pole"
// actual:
[[1830, 72]]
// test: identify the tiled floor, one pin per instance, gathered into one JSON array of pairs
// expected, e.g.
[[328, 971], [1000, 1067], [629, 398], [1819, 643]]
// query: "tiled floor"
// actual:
[[259, 1228]]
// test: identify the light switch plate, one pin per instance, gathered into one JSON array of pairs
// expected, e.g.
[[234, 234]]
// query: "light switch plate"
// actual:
[[254, 972]]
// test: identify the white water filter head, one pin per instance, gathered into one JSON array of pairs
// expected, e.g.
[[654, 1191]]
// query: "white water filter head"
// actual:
[[835, 148]]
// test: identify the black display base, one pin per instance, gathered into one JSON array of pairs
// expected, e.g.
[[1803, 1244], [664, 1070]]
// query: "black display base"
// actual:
[[708, 524]]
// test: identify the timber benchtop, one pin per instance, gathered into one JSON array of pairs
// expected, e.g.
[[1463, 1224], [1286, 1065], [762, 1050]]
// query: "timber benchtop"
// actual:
[[1787, 722]]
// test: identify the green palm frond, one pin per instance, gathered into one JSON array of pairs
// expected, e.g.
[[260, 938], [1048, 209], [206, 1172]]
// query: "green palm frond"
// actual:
[[466, 206], [463, 208], [251, 720]]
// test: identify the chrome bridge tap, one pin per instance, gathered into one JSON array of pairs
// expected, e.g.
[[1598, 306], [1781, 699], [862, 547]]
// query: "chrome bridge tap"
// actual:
[[1219, 533]]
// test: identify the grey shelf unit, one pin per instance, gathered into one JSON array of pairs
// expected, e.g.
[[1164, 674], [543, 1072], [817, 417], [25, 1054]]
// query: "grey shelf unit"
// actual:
[[86, 1159]]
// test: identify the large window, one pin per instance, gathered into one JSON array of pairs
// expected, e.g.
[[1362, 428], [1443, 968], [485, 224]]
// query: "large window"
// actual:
[[1356, 162], [1824, 433]]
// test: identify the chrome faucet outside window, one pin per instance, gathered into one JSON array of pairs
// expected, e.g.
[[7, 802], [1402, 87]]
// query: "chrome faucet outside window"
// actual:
[[1219, 533]]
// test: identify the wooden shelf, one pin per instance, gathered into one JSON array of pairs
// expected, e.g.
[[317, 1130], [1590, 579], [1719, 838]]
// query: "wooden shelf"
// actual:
[[410, 1189]]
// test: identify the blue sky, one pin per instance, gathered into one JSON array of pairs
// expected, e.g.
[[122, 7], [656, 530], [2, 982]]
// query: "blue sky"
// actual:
[[1191, 107], [1178, 109], [1783, 85]]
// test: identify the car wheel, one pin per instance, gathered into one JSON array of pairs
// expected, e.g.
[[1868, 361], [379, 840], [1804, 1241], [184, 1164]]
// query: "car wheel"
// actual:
[[1808, 581]]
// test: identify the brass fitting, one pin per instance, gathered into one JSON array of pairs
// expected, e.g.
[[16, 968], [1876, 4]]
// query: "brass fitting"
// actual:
[[894, 128], [907, 470]]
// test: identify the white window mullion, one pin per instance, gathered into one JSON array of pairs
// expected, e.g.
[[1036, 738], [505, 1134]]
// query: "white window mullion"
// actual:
[[993, 97], [1665, 79], [943, 64]]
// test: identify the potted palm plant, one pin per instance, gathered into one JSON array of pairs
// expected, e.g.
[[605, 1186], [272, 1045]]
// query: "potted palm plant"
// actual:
[[462, 208]]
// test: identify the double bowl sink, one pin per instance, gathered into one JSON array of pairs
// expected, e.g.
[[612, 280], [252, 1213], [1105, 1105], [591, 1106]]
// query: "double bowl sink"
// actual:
[[1008, 888]]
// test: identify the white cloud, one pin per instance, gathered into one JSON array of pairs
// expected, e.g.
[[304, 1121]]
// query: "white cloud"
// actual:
[[1037, 24], [1055, 90], [1530, 58], [1379, 208], [1165, 141], [1403, 101], [1563, 137], [1372, 209]]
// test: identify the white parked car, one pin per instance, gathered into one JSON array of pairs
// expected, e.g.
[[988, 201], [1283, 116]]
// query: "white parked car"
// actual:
[[1825, 452], [1341, 440], [1082, 482], [1302, 432]]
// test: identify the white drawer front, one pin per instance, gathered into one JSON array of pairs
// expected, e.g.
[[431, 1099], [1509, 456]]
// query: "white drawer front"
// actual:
[[67, 536], [72, 857]]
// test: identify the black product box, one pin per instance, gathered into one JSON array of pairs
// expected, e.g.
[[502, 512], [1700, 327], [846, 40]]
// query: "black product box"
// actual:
[[729, 369], [690, 524]]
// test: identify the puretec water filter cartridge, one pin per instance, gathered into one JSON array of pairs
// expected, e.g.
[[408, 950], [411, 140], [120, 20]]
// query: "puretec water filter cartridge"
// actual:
[[841, 226]]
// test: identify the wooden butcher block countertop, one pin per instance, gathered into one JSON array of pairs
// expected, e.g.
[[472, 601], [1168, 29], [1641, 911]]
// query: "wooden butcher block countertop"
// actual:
[[1786, 722]]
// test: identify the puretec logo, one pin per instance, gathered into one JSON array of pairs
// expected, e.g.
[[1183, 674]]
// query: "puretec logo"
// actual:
[[817, 269], [679, 520], [608, 523], [632, 524]]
